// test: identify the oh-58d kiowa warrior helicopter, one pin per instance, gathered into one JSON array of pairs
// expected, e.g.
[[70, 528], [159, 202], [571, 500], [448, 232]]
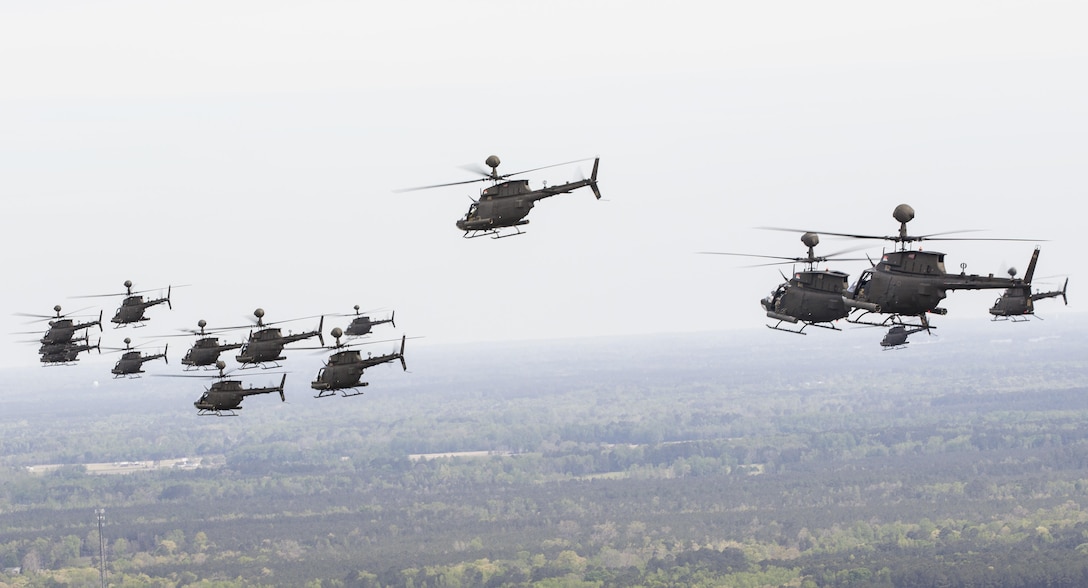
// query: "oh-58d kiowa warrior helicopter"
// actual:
[[206, 349], [131, 310], [1018, 303], [506, 203], [812, 297], [362, 323], [225, 396], [132, 362], [343, 370], [266, 344]]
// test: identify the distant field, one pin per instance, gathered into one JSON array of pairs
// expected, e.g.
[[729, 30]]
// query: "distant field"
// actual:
[[129, 467]]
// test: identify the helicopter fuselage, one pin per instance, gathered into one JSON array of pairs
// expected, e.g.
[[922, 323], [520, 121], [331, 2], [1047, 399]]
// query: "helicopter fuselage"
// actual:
[[811, 296], [913, 283], [267, 345], [205, 352], [132, 310], [344, 369]]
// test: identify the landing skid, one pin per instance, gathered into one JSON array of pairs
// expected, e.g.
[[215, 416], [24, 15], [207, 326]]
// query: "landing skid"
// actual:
[[343, 392], [220, 413], [264, 365], [493, 233], [777, 327], [892, 321], [1016, 318]]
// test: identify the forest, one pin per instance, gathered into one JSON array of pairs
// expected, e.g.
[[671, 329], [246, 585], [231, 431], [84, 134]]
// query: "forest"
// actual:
[[745, 459]]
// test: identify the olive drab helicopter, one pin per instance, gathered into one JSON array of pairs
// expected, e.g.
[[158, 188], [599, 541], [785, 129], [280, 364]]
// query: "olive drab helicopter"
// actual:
[[907, 284], [1018, 304], [362, 324], [132, 361], [61, 326], [266, 344], [132, 308], [812, 297], [506, 203], [896, 337], [344, 368], [205, 351], [225, 396]]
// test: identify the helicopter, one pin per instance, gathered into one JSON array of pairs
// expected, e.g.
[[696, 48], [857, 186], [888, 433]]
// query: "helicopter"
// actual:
[[344, 368], [266, 344], [896, 337], [61, 327], [205, 350], [812, 297], [132, 361], [362, 324], [506, 203], [68, 353], [225, 396], [1018, 304], [131, 311]]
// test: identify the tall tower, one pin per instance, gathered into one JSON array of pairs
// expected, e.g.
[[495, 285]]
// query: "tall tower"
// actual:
[[101, 514]]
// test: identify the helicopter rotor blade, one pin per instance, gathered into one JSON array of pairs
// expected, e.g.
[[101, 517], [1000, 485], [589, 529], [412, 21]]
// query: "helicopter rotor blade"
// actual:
[[476, 169], [786, 260], [417, 188], [488, 176], [910, 238], [544, 167]]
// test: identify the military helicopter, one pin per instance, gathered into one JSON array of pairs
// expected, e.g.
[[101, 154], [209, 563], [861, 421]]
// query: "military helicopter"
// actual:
[[266, 344], [896, 337], [812, 297], [205, 350], [344, 369], [1018, 304], [132, 361], [225, 396], [133, 306], [505, 204], [362, 324], [67, 353], [61, 327], [909, 283]]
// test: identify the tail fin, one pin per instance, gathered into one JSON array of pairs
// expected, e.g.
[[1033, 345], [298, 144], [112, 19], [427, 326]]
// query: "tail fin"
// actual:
[[1031, 266], [403, 338], [283, 381], [593, 179], [1064, 286]]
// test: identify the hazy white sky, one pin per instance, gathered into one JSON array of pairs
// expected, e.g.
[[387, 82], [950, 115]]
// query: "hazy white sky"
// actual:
[[253, 149]]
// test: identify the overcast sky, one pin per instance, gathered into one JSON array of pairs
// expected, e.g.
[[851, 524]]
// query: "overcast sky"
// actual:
[[252, 150]]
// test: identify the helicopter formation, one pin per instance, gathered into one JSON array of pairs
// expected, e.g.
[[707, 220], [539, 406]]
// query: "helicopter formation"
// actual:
[[900, 291], [263, 347]]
